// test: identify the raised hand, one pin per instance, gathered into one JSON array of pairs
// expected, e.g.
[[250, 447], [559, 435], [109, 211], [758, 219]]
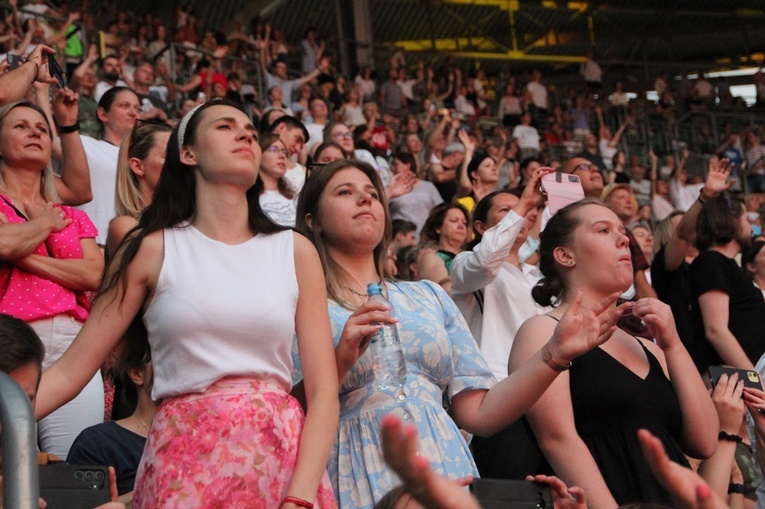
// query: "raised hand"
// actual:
[[754, 400], [532, 195], [660, 322], [399, 444], [581, 329], [687, 489], [717, 177], [400, 184], [563, 496], [729, 404], [466, 141], [66, 107], [39, 55]]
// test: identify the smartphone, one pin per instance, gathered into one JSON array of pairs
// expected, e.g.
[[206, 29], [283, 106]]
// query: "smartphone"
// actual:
[[504, 493], [65, 486], [562, 189], [55, 70], [750, 378], [13, 61]]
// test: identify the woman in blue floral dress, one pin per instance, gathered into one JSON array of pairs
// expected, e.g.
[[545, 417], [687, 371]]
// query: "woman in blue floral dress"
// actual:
[[449, 387]]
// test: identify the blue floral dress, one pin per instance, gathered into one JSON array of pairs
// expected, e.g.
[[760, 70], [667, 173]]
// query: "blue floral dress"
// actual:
[[442, 359]]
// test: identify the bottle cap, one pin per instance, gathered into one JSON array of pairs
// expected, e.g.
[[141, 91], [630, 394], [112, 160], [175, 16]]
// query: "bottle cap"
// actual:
[[374, 289]]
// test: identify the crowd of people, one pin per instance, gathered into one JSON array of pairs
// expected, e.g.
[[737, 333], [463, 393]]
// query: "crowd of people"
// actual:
[[193, 263]]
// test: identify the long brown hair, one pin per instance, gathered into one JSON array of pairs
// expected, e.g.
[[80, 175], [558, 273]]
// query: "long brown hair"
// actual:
[[309, 202]]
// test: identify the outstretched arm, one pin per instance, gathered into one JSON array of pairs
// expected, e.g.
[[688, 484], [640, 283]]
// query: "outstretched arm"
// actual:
[[15, 84], [485, 412], [73, 186], [109, 318], [473, 270], [685, 232]]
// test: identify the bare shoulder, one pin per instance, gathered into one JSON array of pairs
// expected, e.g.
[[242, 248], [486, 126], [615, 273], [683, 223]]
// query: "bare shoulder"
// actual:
[[535, 332], [118, 228], [147, 264], [537, 324], [304, 249]]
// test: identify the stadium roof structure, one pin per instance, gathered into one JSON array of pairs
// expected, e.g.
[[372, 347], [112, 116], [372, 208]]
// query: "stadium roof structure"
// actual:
[[676, 35]]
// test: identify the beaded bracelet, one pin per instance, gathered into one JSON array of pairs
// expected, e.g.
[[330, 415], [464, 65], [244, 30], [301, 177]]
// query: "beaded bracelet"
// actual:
[[298, 502]]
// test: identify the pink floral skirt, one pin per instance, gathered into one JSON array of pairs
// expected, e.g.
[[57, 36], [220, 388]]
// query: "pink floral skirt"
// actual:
[[235, 445]]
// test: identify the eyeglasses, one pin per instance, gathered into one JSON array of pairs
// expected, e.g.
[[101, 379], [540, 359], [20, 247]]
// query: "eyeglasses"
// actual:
[[586, 167], [274, 149], [342, 135]]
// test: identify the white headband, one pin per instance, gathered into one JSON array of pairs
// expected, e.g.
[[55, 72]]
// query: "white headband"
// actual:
[[184, 123]]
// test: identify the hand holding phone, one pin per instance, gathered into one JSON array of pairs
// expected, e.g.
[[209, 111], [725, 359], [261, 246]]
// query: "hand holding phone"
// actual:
[[750, 378], [562, 189], [56, 72]]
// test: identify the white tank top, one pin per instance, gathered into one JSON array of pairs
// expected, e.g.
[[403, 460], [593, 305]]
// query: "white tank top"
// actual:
[[221, 310]]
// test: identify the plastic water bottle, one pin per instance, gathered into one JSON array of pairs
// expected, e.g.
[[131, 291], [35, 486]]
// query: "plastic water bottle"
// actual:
[[387, 355]]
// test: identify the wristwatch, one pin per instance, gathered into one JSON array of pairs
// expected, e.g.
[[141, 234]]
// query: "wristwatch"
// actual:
[[547, 356]]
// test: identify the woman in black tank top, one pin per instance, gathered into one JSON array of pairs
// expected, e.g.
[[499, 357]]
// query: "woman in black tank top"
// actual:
[[587, 421]]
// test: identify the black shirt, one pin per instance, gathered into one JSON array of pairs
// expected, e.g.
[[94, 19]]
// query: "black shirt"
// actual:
[[111, 445], [746, 308], [674, 289]]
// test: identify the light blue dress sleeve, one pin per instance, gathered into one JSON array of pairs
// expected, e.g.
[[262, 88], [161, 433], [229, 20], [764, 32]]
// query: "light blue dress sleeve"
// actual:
[[470, 370]]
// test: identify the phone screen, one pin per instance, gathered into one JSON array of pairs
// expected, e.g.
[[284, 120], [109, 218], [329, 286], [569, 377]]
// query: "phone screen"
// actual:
[[13, 61]]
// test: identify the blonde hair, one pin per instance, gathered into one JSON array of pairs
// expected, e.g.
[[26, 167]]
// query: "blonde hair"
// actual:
[[128, 199], [47, 178]]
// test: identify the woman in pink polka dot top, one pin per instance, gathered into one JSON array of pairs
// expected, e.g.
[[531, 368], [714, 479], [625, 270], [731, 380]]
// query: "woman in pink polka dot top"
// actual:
[[49, 259]]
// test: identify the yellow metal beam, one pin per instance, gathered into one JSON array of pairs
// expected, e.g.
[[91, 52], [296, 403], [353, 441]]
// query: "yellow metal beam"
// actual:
[[508, 5], [517, 55], [453, 44]]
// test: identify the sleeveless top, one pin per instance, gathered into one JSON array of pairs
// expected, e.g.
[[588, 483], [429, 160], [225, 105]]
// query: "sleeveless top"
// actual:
[[222, 310], [610, 404]]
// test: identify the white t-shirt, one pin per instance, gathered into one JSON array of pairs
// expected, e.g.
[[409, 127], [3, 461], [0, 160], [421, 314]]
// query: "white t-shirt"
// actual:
[[279, 208], [315, 135], [528, 136], [102, 161], [538, 94], [607, 153], [683, 196], [296, 177]]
